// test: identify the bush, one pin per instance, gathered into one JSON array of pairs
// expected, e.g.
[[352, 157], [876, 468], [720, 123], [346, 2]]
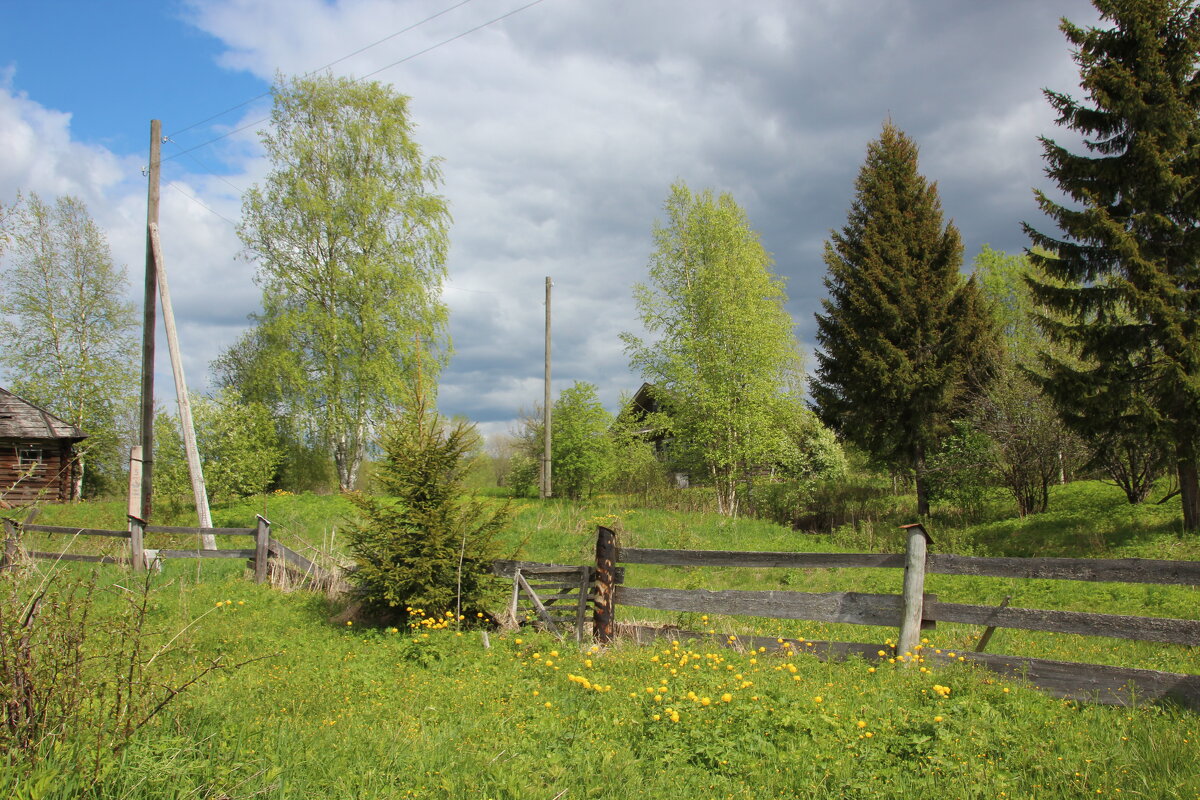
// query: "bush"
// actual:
[[425, 546]]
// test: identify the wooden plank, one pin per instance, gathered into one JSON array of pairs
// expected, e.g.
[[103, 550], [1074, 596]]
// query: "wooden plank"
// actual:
[[581, 604], [1094, 682], [533, 598], [199, 531], [1124, 570], [76, 557], [850, 607], [75, 531], [747, 558], [1146, 629], [504, 568], [198, 553], [262, 547]]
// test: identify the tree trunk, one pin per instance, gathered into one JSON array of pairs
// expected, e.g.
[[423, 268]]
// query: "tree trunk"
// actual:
[[1189, 484], [921, 482]]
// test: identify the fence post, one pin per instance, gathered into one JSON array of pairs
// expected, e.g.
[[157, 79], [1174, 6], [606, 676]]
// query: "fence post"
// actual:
[[606, 579], [914, 589], [137, 554], [262, 540], [12, 540]]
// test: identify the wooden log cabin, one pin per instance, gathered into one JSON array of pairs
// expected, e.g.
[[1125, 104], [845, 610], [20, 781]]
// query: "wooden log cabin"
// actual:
[[37, 454]]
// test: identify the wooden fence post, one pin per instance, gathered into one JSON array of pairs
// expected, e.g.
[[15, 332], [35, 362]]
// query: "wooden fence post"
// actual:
[[137, 554], [12, 538], [914, 589], [262, 543], [606, 574]]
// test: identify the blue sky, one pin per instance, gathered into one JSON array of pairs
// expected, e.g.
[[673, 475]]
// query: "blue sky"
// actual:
[[561, 129]]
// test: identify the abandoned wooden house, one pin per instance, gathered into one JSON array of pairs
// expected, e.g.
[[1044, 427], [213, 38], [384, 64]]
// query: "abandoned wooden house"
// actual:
[[37, 453]]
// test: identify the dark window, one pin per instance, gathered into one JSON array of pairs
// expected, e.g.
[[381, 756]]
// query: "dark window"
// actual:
[[29, 457]]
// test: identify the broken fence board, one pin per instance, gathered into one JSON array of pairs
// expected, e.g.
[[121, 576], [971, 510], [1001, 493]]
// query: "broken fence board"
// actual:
[[1095, 683]]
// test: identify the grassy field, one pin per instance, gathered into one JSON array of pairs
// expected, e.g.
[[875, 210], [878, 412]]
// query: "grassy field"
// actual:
[[332, 711]]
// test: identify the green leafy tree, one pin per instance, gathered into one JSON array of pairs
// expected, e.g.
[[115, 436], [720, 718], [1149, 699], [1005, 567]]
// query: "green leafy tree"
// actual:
[[1126, 291], [904, 337], [350, 239], [238, 444], [68, 335], [581, 450], [423, 544], [721, 345]]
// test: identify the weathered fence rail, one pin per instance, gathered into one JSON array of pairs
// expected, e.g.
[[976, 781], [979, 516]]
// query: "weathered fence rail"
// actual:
[[258, 556], [914, 609]]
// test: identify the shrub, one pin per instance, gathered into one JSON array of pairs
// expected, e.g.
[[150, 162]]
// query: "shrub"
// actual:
[[424, 545]]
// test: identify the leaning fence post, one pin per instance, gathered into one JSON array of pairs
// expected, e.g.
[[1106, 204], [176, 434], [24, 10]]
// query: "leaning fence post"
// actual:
[[137, 555], [914, 588], [606, 580], [262, 543], [11, 543]]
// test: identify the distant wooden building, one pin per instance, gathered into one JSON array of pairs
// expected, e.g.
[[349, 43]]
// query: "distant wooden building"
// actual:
[[37, 453]]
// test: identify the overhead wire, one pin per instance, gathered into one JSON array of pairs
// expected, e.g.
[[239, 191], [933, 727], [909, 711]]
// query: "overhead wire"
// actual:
[[456, 37], [360, 50]]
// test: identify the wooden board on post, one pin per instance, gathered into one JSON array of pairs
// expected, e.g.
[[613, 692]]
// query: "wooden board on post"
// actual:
[[262, 545], [137, 555], [914, 588], [606, 561]]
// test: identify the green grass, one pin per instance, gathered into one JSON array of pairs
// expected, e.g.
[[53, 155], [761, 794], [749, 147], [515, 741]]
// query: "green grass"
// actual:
[[338, 712]]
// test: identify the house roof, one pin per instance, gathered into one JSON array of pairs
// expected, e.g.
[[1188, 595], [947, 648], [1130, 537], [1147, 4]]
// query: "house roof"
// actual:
[[21, 419]]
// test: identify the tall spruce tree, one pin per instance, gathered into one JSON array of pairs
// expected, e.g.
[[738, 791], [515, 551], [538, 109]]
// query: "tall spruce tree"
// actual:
[[904, 337], [1129, 253]]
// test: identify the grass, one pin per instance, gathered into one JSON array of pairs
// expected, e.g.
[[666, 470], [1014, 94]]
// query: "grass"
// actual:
[[338, 712]]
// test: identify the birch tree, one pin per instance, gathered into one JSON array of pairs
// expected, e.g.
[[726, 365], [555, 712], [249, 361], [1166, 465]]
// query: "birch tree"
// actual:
[[350, 240]]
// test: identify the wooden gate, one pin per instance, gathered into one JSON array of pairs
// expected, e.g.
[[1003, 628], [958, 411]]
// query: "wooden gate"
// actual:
[[555, 597]]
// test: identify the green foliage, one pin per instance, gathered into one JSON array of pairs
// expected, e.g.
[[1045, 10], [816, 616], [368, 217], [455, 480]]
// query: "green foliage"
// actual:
[[721, 348], [239, 449], [904, 339], [350, 240], [581, 450], [1125, 294], [962, 471], [425, 545], [68, 333]]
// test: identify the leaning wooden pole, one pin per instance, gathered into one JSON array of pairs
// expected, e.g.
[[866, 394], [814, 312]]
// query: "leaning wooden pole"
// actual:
[[547, 489], [603, 614], [195, 469], [149, 318]]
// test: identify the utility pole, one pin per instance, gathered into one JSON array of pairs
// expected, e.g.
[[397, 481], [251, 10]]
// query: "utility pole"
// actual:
[[149, 317], [546, 485]]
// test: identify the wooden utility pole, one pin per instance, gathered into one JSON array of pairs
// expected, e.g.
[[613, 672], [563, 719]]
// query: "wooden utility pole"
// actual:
[[149, 317], [546, 485], [195, 470]]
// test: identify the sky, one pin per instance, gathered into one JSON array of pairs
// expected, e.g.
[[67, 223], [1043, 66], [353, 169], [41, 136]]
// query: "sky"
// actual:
[[561, 125]]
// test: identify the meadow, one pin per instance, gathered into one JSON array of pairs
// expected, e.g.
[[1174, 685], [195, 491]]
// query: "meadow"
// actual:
[[324, 710]]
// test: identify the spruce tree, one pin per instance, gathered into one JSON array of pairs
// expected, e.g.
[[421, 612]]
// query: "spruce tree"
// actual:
[[1124, 292], [904, 337]]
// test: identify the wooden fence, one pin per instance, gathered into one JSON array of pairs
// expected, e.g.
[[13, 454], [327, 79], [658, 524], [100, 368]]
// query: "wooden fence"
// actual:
[[140, 558], [915, 609]]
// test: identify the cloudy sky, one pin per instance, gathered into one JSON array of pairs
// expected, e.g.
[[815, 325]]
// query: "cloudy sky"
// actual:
[[561, 126]]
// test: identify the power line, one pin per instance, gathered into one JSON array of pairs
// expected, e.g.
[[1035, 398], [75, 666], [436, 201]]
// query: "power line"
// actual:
[[327, 66], [198, 202], [369, 74]]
